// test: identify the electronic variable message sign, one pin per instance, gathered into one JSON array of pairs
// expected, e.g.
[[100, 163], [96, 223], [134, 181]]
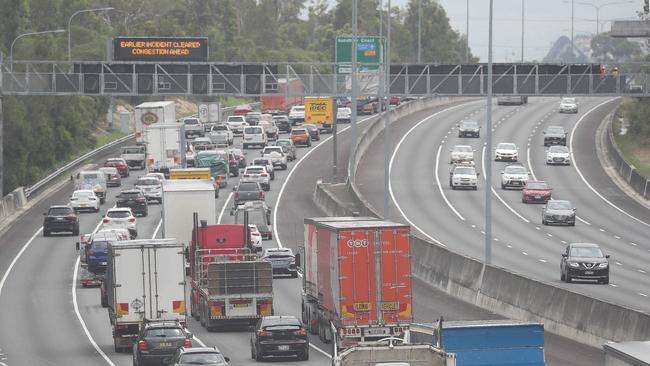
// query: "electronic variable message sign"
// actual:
[[160, 49]]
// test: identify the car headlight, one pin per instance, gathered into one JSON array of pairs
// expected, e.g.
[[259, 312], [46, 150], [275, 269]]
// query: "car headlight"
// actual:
[[574, 264], [603, 265]]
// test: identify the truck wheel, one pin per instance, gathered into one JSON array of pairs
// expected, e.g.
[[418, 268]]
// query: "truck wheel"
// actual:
[[46, 233], [201, 314], [75, 231], [104, 301]]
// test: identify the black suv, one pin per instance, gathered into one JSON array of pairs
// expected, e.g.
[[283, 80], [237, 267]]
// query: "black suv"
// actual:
[[283, 123], [199, 356], [469, 128], [279, 336], [584, 261], [554, 135], [158, 341], [60, 218], [135, 199]]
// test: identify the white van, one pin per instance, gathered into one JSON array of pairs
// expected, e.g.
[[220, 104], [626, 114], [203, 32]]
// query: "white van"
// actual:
[[94, 180], [254, 135]]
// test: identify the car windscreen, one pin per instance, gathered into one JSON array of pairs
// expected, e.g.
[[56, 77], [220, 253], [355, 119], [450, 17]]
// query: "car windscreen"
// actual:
[[191, 121], [83, 194], [467, 171], [586, 252], [255, 171], [60, 211], [118, 214], [281, 323], [299, 109], [507, 147], [261, 162], [283, 143], [202, 359], [558, 149], [132, 150], [568, 100], [90, 176], [99, 244], [469, 124], [164, 332], [268, 150], [537, 185], [236, 119], [515, 170], [298, 132], [248, 187], [147, 182], [555, 130], [130, 194], [559, 205]]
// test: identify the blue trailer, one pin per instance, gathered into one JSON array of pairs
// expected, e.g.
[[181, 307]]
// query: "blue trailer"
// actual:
[[486, 343]]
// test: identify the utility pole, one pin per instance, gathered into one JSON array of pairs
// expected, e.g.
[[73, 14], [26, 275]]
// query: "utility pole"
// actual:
[[488, 163], [572, 20]]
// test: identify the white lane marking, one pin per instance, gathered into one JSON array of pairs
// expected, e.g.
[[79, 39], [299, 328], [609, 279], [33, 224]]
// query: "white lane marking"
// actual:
[[392, 160], [617, 237], [155, 232], [495, 192], [13, 261], [641, 271], [223, 209], [633, 244], [530, 166], [293, 169], [200, 342], [583, 220], [642, 294], [81, 320], [442, 192], [575, 165], [524, 253], [542, 260], [319, 350]]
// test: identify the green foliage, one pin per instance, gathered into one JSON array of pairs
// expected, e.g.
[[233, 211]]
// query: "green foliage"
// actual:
[[42, 133], [606, 48]]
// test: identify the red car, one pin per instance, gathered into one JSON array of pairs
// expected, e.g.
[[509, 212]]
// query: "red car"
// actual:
[[536, 192], [120, 164], [394, 100]]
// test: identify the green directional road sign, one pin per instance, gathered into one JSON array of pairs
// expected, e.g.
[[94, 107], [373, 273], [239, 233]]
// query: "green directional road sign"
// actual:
[[369, 52]]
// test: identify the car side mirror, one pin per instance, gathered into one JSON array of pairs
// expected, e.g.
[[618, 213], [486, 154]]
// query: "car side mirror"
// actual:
[[44, 213], [226, 358], [234, 188], [607, 256], [297, 259], [477, 174], [575, 209], [564, 255]]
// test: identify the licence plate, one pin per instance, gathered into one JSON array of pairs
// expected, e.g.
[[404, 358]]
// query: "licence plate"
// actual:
[[589, 272], [165, 344], [538, 197], [103, 263], [283, 347], [244, 305]]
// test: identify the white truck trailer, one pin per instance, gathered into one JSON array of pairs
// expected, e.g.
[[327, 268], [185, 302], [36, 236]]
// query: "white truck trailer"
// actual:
[[145, 280], [151, 113], [394, 355], [165, 147], [181, 198]]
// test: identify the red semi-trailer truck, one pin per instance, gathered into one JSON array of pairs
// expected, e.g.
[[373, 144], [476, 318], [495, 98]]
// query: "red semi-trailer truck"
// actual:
[[357, 279], [230, 285], [288, 95]]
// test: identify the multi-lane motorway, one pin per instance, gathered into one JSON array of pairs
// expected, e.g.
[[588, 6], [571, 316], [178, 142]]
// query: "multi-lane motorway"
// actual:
[[48, 320]]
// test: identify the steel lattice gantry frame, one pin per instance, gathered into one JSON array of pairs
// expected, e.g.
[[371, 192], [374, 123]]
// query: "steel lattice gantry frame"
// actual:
[[257, 79]]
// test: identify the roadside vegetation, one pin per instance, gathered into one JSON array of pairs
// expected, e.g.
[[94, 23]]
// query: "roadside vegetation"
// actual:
[[632, 133], [42, 131]]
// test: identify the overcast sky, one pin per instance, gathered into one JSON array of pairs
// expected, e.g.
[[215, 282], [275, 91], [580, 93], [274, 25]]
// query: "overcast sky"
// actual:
[[545, 21]]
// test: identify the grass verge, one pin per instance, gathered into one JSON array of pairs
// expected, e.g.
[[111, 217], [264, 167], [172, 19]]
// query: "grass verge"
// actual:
[[104, 139], [635, 148]]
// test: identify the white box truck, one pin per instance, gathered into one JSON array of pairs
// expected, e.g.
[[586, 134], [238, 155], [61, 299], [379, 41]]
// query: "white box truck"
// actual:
[[165, 147], [181, 198], [150, 113], [145, 280]]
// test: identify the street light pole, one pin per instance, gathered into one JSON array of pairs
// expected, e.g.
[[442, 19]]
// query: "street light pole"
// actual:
[[467, 33], [419, 31], [598, 7], [522, 31], [353, 94], [387, 121], [572, 20], [488, 163], [11, 49], [70, 22]]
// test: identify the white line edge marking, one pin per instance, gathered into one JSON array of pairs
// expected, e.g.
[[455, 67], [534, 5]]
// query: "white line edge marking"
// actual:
[[392, 159], [75, 305], [442, 192], [575, 164], [288, 178], [495, 192], [223, 209], [155, 232], [20, 253]]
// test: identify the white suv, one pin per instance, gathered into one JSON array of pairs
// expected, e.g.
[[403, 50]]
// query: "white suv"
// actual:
[[254, 135], [514, 176], [258, 174], [276, 155], [463, 176], [236, 124], [297, 114]]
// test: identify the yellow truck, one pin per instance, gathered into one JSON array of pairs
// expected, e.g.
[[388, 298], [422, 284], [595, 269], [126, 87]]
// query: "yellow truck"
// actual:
[[320, 111]]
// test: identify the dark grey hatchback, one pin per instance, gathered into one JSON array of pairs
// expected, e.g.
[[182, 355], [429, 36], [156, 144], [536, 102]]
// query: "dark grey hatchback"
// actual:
[[559, 212], [279, 336], [158, 341], [584, 261]]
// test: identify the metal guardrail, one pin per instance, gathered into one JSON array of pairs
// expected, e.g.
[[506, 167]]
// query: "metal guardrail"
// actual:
[[73, 164]]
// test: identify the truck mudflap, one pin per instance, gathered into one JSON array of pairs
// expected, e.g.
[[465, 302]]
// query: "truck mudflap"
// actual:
[[124, 335], [225, 311]]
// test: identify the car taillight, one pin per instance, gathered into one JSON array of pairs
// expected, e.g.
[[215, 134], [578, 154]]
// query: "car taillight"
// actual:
[[236, 195], [246, 175], [261, 195], [91, 252], [187, 343], [300, 332], [263, 333], [105, 221], [132, 219], [141, 200], [264, 175], [71, 217], [143, 346]]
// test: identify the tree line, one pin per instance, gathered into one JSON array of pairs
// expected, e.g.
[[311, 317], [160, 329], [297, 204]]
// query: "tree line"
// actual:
[[41, 133]]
